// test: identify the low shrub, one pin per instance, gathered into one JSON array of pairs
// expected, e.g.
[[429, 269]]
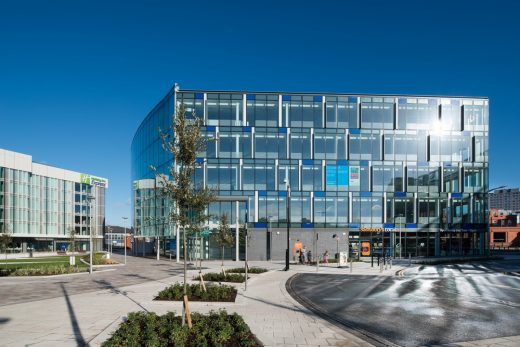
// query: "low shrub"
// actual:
[[212, 329], [220, 277], [251, 270], [41, 270], [98, 259], [194, 291]]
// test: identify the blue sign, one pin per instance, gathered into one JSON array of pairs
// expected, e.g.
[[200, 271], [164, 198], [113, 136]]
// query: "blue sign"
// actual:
[[343, 175], [332, 175], [173, 244]]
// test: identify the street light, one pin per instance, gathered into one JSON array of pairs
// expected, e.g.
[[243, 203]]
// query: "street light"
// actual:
[[288, 212], [270, 234], [90, 198], [124, 236]]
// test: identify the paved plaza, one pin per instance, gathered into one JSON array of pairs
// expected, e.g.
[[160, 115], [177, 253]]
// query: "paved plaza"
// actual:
[[80, 310]]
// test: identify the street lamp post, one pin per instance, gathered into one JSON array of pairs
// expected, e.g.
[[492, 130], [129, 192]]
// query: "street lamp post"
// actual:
[[124, 236], [288, 217], [90, 198]]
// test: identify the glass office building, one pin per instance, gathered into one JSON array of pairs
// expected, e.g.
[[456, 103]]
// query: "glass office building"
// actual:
[[40, 204], [393, 174]]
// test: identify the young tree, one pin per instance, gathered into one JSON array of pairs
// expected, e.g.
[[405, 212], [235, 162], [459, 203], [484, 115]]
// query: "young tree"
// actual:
[[5, 241], [189, 199], [223, 237], [72, 237]]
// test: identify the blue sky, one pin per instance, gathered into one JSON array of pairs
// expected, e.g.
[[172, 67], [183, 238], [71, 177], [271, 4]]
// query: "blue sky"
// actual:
[[78, 77]]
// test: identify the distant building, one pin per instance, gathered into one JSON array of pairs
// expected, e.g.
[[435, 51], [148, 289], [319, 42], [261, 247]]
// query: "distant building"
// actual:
[[114, 235], [505, 228], [41, 204], [505, 199]]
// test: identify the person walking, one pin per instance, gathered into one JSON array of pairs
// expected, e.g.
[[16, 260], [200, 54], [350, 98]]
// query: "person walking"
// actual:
[[304, 254], [326, 257], [309, 257]]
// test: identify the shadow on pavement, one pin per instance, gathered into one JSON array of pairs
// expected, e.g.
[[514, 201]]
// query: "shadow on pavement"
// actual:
[[73, 320]]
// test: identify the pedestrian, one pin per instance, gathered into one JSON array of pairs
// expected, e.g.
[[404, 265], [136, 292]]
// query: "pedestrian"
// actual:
[[309, 256], [326, 257], [304, 255]]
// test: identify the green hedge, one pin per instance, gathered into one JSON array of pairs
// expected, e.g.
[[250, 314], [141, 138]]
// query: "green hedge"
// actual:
[[213, 292], [251, 270], [213, 329], [220, 277], [41, 270], [98, 259]]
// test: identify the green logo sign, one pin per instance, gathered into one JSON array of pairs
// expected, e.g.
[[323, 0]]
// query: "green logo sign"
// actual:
[[93, 180]]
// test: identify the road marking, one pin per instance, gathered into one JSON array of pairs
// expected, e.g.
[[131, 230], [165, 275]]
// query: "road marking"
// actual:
[[501, 286]]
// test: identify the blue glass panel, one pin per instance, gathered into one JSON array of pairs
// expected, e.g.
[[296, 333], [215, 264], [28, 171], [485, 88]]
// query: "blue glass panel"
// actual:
[[389, 225], [354, 131], [411, 225], [282, 193], [353, 226], [319, 194], [365, 194], [199, 96], [456, 195], [199, 160], [260, 225], [262, 193], [400, 194], [332, 175], [308, 162], [342, 162], [342, 175], [250, 97], [308, 225], [446, 164], [282, 130], [363, 162], [246, 129], [352, 99], [402, 101], [317, 98], [286, 98], [423, 163]]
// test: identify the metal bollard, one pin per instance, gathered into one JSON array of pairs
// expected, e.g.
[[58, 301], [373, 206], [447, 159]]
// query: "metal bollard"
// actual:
[[350, 265], [390, 263], [381, 267], [409, 259]]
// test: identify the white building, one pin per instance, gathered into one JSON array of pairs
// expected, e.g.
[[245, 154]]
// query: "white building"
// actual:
[[41, 204]]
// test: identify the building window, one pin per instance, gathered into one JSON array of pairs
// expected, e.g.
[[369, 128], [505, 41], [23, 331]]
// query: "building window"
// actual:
[[409, 147], [224, 109], [417, 114], [300, 146], [303, 111], [341, 112], [365, 146], [329, 144], [377, 113], [450, 114], [475, 113], [262, 110]]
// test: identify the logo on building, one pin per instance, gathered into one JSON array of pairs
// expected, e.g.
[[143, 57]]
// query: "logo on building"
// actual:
[[94, 181]]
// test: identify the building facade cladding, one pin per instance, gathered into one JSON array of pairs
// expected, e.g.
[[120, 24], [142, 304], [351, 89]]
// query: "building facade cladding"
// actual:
[[505, 199], [418, 165], [40, 204]]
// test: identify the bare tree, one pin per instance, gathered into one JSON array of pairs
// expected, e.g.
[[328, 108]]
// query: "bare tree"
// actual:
[[189, 199], [223, 237], [72, 237], [5, 241]]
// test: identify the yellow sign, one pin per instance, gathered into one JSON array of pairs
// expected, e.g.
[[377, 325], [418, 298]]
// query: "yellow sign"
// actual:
[[375, 230], [365, 249]]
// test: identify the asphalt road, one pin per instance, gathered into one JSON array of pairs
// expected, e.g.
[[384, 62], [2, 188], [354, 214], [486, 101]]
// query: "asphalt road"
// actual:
[[138, 270], [430, 305]]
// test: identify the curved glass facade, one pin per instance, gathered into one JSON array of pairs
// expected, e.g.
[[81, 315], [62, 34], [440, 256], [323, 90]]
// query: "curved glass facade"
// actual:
[[377, 166]]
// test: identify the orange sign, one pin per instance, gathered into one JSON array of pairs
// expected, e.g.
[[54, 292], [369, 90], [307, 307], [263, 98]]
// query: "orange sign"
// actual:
[[365, 249]]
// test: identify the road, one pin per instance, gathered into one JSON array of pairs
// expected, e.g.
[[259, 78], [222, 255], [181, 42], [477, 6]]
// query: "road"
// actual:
[[430, 305], [138, 270]]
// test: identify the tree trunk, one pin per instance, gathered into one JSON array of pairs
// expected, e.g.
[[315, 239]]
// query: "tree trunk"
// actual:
[[185, 273]]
